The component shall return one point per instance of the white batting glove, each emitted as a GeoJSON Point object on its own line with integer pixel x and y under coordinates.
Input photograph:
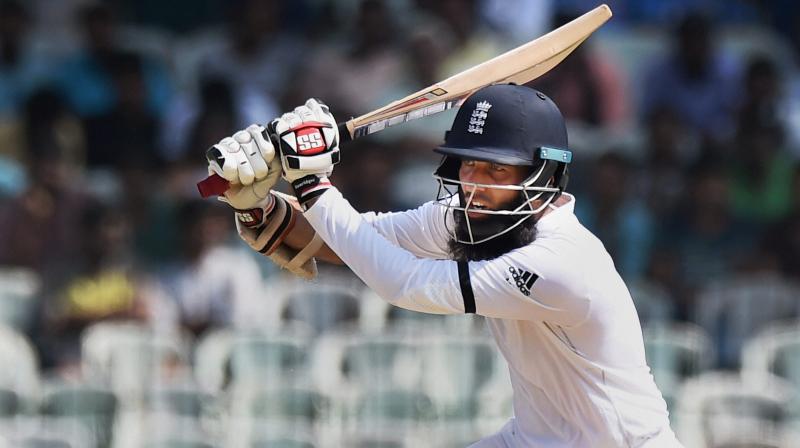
{"type": "Point", "coordinates": [247, 161]}
{"type": "Point", "coordinates": [309, 145]}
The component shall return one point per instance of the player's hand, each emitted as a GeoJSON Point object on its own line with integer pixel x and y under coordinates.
{"type": "Point", "coordinates": [309, 146]}
{"type": "Point", "coordinates": [247, 161]}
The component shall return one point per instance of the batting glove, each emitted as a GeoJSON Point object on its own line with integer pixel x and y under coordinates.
{"type": "Point", "coordinates": [308, 139]}
{"type": "Point", "coordinates": [247, 161]}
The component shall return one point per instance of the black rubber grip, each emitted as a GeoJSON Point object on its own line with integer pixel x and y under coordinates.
{"type": "Point", "coordinates": [344, 133]}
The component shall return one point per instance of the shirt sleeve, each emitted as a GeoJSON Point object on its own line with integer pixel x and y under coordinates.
{"type": "Point", "coordinates": [420, 231]}
{"type": "Point", "coordinates": [517, 285]}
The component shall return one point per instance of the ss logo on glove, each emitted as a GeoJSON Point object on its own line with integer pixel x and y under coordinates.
{"type": "Point", "coordinates": [309, 142]}
{"type": "Point", "coordinates": [306, 139]}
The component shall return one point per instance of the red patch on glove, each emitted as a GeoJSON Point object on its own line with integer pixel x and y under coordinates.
{"type": "Point", "coordinates": [310, 140]}
{"type": "Point", "coordinates": [251, 218]}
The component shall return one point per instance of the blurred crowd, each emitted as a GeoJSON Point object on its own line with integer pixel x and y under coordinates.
{"type": "Point", "coordinates": [684, 118]}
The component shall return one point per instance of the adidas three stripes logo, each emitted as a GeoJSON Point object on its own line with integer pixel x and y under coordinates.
{"type": "Point", "coordinates": [522, 279]}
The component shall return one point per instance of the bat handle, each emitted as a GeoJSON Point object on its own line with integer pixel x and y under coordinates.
{"type": "Point", "coordinates": [213, 185]}
{"type": "Point", "coordinates": [216, 185]}
{"type": "Point", "coordinates": [344, 132]}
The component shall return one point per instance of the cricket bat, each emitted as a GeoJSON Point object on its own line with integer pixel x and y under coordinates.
{"type": "Point", "coordinates": [519, 66]}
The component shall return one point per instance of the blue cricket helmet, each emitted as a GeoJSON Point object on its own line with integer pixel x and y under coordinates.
{"type": "Point", "coordinates": [510, 125]}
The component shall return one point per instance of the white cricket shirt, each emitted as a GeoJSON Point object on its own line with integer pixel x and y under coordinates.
{"type": "Point", "coordinates": [559, 311]}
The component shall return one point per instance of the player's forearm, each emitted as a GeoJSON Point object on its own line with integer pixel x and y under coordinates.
{"type": "Point", "coordinates": [301, 235]}
{"type": "Point", "coordinates": [393, 273]}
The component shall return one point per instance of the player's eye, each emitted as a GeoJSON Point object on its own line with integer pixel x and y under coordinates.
{"type": "Point", "coordinates": [498, 168]}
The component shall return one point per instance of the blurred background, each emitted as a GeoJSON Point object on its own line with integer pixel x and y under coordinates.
{"type": "Point", "coordinates": [132, 316]}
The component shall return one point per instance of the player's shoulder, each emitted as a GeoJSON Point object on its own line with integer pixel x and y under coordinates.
{"type": "Point", "coordinates": [562, 252]}
{"type": "Point", "coordinates": [546, 273]}
{"type": "Point", "coordinates": [436, 209]}
{"type": "Point", "coordinates": [543, 254]}
{"type": "Point", "coordinates": [566, 262]}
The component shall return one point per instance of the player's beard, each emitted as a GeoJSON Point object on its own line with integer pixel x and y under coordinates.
{"type": "Point", "coordinates": [519, 236]}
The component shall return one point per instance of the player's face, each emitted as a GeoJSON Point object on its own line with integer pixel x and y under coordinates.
{"type": "Point", "coordinates": [490, 173]}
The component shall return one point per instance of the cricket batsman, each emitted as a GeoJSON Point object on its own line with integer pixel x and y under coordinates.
{"type": "Point", "coordinates": [500, 240]}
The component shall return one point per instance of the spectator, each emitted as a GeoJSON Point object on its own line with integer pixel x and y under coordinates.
{"type": "Point", "coordinates": [424, 52]}
{"type": "Point", "coordinates": [669, 151]}
{"type": "Point", "coordinates": [473, 42]}
{"type": "Point", "coordinates": [410, 182]}
{"type": "Point", "coordinates": [23, 68]}
{"type": "Point", "coordinates": [38, 225]}
{"type": "Point", "coordinates": [210, 283]}
{"type": "Point", "coordinates": [87, 76]}
{"type": "Point", "coordinates": [783, 238]}
{"type": "Point", "coordinates": [587, 87]}
{"type": "Point", "coordinates": [157, 231]}
{"type": "Point", "coordinates": [616, 217]}
{"type": "Point", "coordinates": [369, 181]}
{"type": "Point", "coordinates": [762, 93]}
{"type": "Point", "coordinates": [156, 208]}
{"type": "Point", "coordinates": [696, 80]}
{"type": "Point", "coordinates": [105, 285]}
{"type": "Point", "coordinates": [421, 54]}
{"type": "Point", "coordinates": [216, 114]}
{"type": "Point", "coordinates": [782, 16]}
{"type": "Point", "coordinates": [704, 235]}
{"type": "Point", "coordinates": [661, 294]}
{"type": "Point", "coordinates": [360, 71]}
{"type": "Point", "coordinates": [48, 124]}
{"type": "Point", "coordinates": [761, 174]}
{"type": "Point", "coordinates": [127, 132]}
{"type": "Point", "coordinates": [257, 57]}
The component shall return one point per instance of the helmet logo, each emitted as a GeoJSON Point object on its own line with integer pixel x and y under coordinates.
{"type": "Point", "coordinates": [478, 118]}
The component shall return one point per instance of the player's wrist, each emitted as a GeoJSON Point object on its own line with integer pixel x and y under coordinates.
{"type": "Point", "coordinates": [310, 187]}
{"type": "Point", "coordinates": [256, 217]}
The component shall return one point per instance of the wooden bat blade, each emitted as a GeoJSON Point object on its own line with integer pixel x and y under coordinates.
{"type": "Point", "coordinates": [538, 70]}
{"type": "Point", "coordinates": [519, 65]}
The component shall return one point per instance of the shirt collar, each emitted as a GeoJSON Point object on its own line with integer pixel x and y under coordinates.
{"type": "Point", "coordinates": [557, 216]}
